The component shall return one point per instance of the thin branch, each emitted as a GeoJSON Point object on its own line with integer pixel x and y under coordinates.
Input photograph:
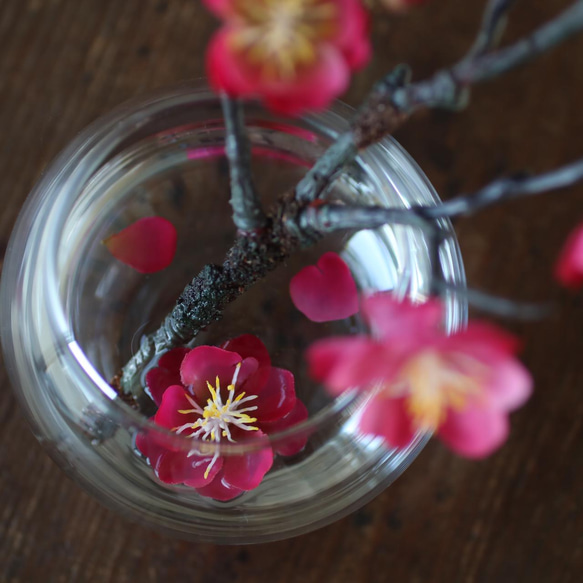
{"type": "Point", "coordinates": [247, 212]}
{"type": "Point", "coordinates": [497, 306]}
{"type": "Point", "coordinates": [330, 217]}
{"type": "Point", "coordinates": [444, 89]}
{"type": "Point", "coordinates": [394, 99]}
{"type": "Point", "coordinates": [493, 24]}
{"type": "Point", "coordinates": [506, 189]}
{"type": "Point", "coordinates": [322, 174]}
{"type": "Point", "coordinates": [322, 219]}
{"type": "Point", "coordinates": [345, 148]}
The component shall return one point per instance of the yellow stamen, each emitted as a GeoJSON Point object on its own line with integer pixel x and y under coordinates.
{"type": "Point", "coordinates": [281, 36]}
{"type": "Point", "coordinates": [434, 385]}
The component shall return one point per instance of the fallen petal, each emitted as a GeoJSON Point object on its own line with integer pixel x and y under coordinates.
{"type": "Point", "coordinates": [148, 245]}
{"type": "Point", "coordinates": [325, 291]}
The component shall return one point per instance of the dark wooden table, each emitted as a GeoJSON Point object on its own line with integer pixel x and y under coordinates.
{"type": "Point", "coordinates": [517, 516]}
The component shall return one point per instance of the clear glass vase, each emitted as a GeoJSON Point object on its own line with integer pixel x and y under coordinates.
{"type": "Point", "coordinates": [72, 315]}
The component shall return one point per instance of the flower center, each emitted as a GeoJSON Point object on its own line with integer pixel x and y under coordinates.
{"type": "Point", "coordinates": [281, 35]}
{"type": "Point", "coordinates": [434, 384]}
{"type": "Point", "coordinates": [218, 417]}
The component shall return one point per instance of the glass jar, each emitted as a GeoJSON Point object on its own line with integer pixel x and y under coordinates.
{"type": "Point", "coordinates": [72, 314]}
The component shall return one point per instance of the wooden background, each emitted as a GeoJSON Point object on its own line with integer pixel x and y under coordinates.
{"type": "Point", "coordinates": [514, 517]}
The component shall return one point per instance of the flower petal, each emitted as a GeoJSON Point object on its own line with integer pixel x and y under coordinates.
{"type": "Point", "coordinates": [510, 386]}
{"type": "Point", "coordinates": [203, 364]}
{"type": "Point", "coordinates": [482, 340]}
{"type": "Point", "coordinates": [569, 266]}
{"type": "Point", "coordinates": [293, 444]}
{"type": "Point", "coordinates": [222, 8]}
{"type": "Point", "coordinates": [353, 39]}
{"type": "Point", "coordinates": [352, 362]}
{"type": "Point", "coordinates": [218, 489]}
{"type": "Point", "coordinates": [277, 398]}
{"type": "Point", "coordinates": [249, 346]}
{"type": "Point", "coordinates": [175, 467]}
{"type": "Point", "coordinates": [325, 291]}
{"type": "Point", "coordinates": [148, 245]}
{"type": "Point", "coordinates": [225, 69]}
{"type": "Point", "coordinates": [313, 89]}
{"type": "Point", "coordinates": [172, 359]}
{"type": "Point", "coordinates": [388, 418]}
{"type": "Point", "coordinates": [175, 400]}
{"type": "Point", "coordinates": [391, 318]}
{"type": "Point", "coordinates": [167, 373]}
{"type": "Point", "coordinates": [246, 471]}
{"type": "Point", "coordinates": [474, 432]}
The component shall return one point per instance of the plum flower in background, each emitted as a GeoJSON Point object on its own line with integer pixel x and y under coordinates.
{"type": "Point", "coordinates": [461, 386]}
{"type": "Point", "coordinates": [401, 5]}
{"type": "Point", "coordinates": [569, 266]}
{"type": "Point", "coordinates": [218, 396]}
{"type": "Point", "coordinates": [148, 245]}
{"type": "Point", "coordinates": [297, 55]}
{"type": "Point", "coordinates": [326, 291]}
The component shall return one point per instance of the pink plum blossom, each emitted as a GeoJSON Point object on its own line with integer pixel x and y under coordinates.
{"type": "Point", "coordinates": [216, 396]}
{"type": "Point", "coordinates": [569, 266]}
{"type": "Point", "coordinates": [148, 245]}
{"type": "Point", "coordinates": [297, 55]}
{"type": "Point", "coordinates": [325, 291]}
{"type": "Point", "coordinates": [461, 386]}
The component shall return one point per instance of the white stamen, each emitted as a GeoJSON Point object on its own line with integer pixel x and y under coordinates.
{"type": "Point", "coordinates": [217, 417]}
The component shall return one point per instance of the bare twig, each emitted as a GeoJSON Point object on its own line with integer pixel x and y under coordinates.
{"type": "Point", "coordinates": [444, 89]}
{"type": "Point", "coordinates": [322, 219]}
{"type": "Point", "coordinates": [506, 189]}
{"type": "Point", "coordinates": [493, 25]}
{"type": "Point", "coordinates": [497, 306]}
{"type": "Point", "coordinates": [247, 212]}
{"type": "Point", "coordinates": [331, 217]}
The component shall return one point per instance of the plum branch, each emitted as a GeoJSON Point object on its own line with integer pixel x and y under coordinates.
{"type": "Point", "coordinates": [247, 212]}
{"type": "Point", "coordinates": [265, 240]}
{"type": "Point", "coordinates": [395, 97]}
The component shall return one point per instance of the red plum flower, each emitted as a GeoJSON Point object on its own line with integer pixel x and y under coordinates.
{"type": "Point", "coordinates": [218, 396]}
{"type": "Point", "coordinates": [460, 386]}
{"type": "Point", "coordinates": [569, 267]}
{"type": "Point", "coordinates": [325, 291]}
{"type": "Point", "coordinates": [148, 245]}
{"type": "Point", "coordinates": [297, 55]}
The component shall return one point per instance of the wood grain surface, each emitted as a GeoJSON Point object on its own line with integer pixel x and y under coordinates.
{"type": "Point", "coordinates": [517, 516]}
